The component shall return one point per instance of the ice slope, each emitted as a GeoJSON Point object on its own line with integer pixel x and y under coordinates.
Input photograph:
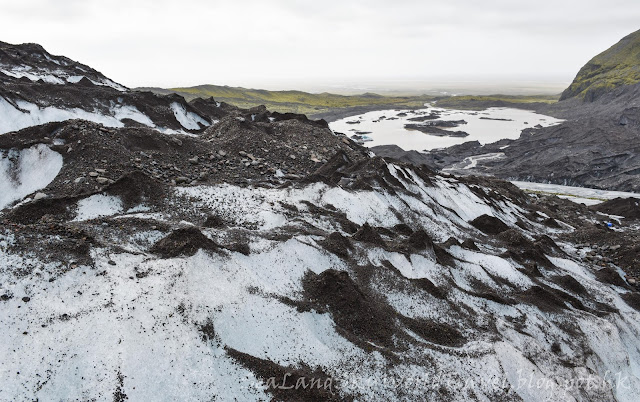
{"type": "Point", "coordinates": [132, 323]}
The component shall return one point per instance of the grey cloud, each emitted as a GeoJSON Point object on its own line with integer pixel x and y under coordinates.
{"type": "Point", "coordinates": [169, 42]}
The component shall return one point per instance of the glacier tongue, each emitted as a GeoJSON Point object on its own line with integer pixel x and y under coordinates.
{"type": "Point", "coordinates": [318, 281]}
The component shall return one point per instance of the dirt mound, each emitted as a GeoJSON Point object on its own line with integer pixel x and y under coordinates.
{"type": "Point", "coordinates": [183, 242]}
{"type": "Point", "coordinates": [333, 170]}
{"type": "Point", "coordinates": [291, 383]}
{"type": "Point", "coordinates": [548, 244]}
{"type": "Point", "coordinates": [369, 234]}
{"type": "Point", "coordinates": [489, 224]}
{"type": "Point", "coordinates": [133, 189]}
{"type": "Point", "coordinates": [632, 299]}
{"type": "Point", "coordinates": [470, 245]}
{"type": "Point", "coordinates": [136, 188]}
{"type": "Point", "coordinates": [96, 156]}
{"type": "Point", "coordinates": [337, 244]}
{"type": "Point", "coordinates": [481, 289]}
{"type": "Point", "coordinates": [514, 238]}
{"type": "Point", "coordinates": [99, 97]}
{"type": "Point", "coordinates": [375, 173]}
{"type": "Point", "coordinates": [45, 209]}
{"type": "Point", "coordinates": [570, 283]}
{"type": "Point", "coordinates": [215, 110]}
{"type": "Point", "coordinates": [443, 257]}
{"type": "Point", "coordinates": [66, 244]}
{"type": "Point", "coordinates": [552, 223]}
{"type": "Point", "coordinates": [300, 117]}
{"type": "Point", "coordinates": [543, 298]}
{"type": "Point", "coordinates": [627, 207]}
{"type": "Point", "coordinates": [419, 240]}
{"type": "Point", "coordinates": [434, 332]}
{"type": "Point", "coordinates": [628, 257]}
{"type": "Point", "coordinates": [239, 247]}
{"type": "Point", "coordinates": [293, 147]}
{"type": "Point", "coordinates": [428, 286]}
{"type": "Point", "coordinates": [523, 250]}
{"type": "Point", "coordinates": [403, 229]}
{"type": "Point", "coordinates": [214, 221]}
{"type": "Point", "coordinates": [357, 316]}
{"type": "Point", "coordinates": [610, 276]}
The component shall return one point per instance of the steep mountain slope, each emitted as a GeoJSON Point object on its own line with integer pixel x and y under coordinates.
{"type": "Point", "coordinates": [617, 66]}
{"type": "Point", "coordinates": [37, 87]}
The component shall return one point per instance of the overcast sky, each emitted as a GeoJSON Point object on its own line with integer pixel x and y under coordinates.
{"type": "Point", "coordinates": [287, 43]}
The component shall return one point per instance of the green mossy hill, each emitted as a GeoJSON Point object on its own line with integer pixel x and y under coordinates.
{"type": "Point", "coordinates": [617, 66]}
{"type": "Point", "coordinates": [290, 101]}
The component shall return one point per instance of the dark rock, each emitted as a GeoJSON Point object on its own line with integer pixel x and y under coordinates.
{"type": "Point", "coordinates": [470, 245]}
{"type": "Point", "coordinates": [611, 276]}
{"type": "Point", "coordinates": [627, 207]}
{"type": "Point", "coordinates": [368, 234]}
{"type": "Point", "coordinates": [337, 244]}
{"type": "Point", "coordinates": [355, 313]}
{"type": "Point", "coordinates": [570, 283]}
{"type": "Point", "coordinates": [288, 379]}
{"type": "Point", "coordinates": [183, 242]}
{"type": "Point", "coordinates": [632, 299]}
{"type": "Point", "coordinates": [489, 224]}
{"type": "Point", "coordinates": [214, 221]}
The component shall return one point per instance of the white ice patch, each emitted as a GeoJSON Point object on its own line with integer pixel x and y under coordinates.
{"type": "Point", "coordinates": [189, 120]}
{"type": "Point", "coordinates": [23, 172]}
{"type": "Point", "coordinates": [74, 79]}
{"type": "Point", "coordinates": [98, 205]}
{"type": "Point", "coordinates": [131, 112]}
